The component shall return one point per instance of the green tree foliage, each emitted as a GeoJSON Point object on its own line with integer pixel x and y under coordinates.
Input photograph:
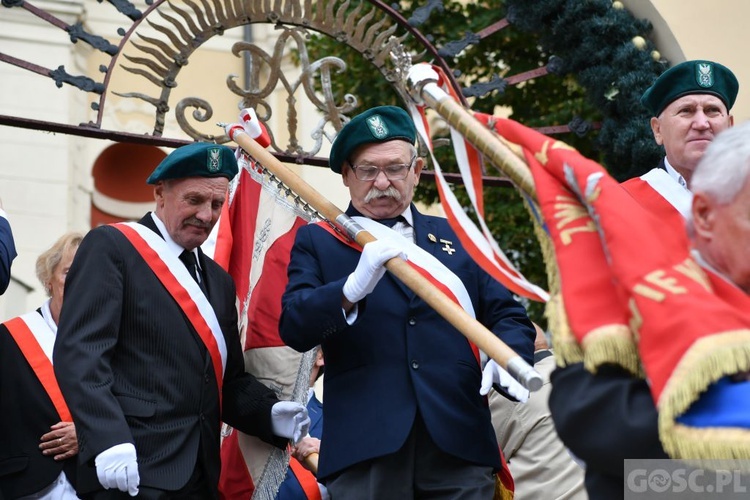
{"type": "Point", "coordinates": [557, 98]}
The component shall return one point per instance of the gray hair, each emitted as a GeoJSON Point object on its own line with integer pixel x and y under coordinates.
{"type": "Point", "coordinates": [725, 166]}
{"type": "Point", "coordinates": [51, 258]}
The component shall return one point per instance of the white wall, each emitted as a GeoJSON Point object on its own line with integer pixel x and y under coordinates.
{"type": "Point", "coordinates": [35, 167]}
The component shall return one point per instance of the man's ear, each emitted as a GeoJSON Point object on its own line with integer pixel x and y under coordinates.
{"type": "Point", "coordinates": [345, 174]}
{"type": "Point", "coordinates": [704, 214]}
{"type": "Point", "coordinates": [656, 130]}
{"type": "Point", "coordinates": [159, 193]}
{"type": "Point", "coordinates": [418, 166]}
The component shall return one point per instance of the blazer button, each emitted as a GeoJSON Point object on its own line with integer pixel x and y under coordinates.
{"type": "Point", "coordinates": [412, 321]}
{"type": "Point", "coordinates": [414, 364]}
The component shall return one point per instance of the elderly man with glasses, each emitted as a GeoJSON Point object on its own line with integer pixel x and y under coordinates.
{"type": "Point", "coordinates": [404, 417]}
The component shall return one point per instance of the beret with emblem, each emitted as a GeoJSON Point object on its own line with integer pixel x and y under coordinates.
{"type": "Point", "coordinates": [379, 124]}
{"type": "Point", "coordinates": [691, 77]}
{"type": "Point", "coordinates": [199, 159]}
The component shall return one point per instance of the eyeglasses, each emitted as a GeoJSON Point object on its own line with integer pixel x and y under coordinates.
{"type": "Point", "coordinates": [392, 172]}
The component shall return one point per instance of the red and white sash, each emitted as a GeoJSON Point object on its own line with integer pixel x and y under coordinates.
{"type": "Point", "coordinates": [424, 262]}
{"type": "Point", "coordinates": [36, 340]}
{"type": "Point", "coordinates": [677, 196]}
{"type": "Point", "coordinates": [183, 288]}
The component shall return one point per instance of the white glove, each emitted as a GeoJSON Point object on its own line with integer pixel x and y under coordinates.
{"type": "Point", "coordinates": [495, 374]}
{"type": "Point", "coordinates": [290, 420]}
{"type": "Point", "coordinates": [117, 467]}
{"type": "Point", "coordinates": [370, 269]}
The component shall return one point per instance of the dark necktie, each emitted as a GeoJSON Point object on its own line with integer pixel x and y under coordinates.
{"type": "Point", "coordinates": [392, 221]}
{"type": "Point", "coordinates": [188, 258]}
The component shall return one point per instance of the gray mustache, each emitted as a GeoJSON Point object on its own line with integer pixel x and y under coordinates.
{"type": "Point", "coordinates": [195, 222]}
{"type": "Point", "coordinates": [390, 192]}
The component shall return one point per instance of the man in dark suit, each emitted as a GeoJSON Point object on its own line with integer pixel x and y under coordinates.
{"type": "Point", "coordinates": [7, 250]}
{"type": "Point", "coordinates": [403, 412]}
{"type": "Point", "coordinates": [610, 416]}
{"type": "Point", "coordinates": [148, 354]}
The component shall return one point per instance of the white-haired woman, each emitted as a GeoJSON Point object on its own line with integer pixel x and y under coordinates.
{"type": "Point", "coordinates": [38, 441]}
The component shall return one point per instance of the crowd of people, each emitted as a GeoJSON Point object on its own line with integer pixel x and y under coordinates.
{"type": "Point", "coordinates": [120, 389]}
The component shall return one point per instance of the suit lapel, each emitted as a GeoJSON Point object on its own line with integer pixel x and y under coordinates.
{"type": "Point", "coordinates": [148, 221]}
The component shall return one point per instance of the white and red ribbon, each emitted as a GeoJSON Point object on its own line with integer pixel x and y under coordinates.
{"type": "Point", "coordinates": [480, 244]}
{"type": "Point", "coordinates": [175, 277]}
{"type": "Point", "coordinates": [35, 339]}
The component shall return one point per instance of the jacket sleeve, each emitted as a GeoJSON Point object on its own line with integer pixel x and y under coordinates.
{"type": "Point", "coordinates": [86, 340]}
{"type": "Point", "coordinates": [505, 317]}
{"type": "Point", "coordinates": [7, 253]}
{"type": "Point", "coordinates": [311, 307]}
{"type": "Point", "coordinates": [604, 418]}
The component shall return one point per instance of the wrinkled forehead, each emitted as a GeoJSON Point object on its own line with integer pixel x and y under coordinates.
{"type": "Point", "coordinates": [197, 183]}
{"type": "Point", "coordinates": [703, 100]}
{"type": "Point", "coordinates": [197, 187]}
{"type": "Point", "coordinates": [382, 152]}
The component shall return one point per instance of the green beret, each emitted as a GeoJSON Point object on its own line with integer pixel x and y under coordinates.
{"type": "Point", "coordinates": [379, 124]}
{"type": "Point", "coordinates": [199, 159]}
{"type": "Point", "coordinates": [691, 77]}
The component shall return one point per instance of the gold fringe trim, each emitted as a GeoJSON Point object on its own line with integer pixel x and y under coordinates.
{"type": "Point", "coordinates": [709, 359]}
{"type": "Point", "coordinates": [611, 344]}
{"type": "Point", "coordinates": [701, 445]}
{"type": "Point", "coordinates": [567, 349]}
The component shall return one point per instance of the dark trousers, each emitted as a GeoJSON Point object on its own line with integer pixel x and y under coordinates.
{"type": "Point", "coordinates": [419, 470]}
{"type": "Point", "coordinates": [197, 488]}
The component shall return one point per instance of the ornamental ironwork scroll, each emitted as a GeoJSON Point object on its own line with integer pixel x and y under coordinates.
{"type": "Point", "coordinates": [159, 38]}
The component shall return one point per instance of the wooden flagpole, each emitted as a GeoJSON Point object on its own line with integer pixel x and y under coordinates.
{"type": "Point", "coordinates": [472, 329]}
{"type": "Point", "coordinates": [422, 82]}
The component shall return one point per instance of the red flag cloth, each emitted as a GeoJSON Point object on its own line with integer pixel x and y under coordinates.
{"type": "Point", "coordinates": [261, 229]}
{"type": "Point", "coordinates": [691, 332]}
{"type": "Point", "coordinates": [235, 481]}
{"type": "Point", "coordinates": [595, 310]}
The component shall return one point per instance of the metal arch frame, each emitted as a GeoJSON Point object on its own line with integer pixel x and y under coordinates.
{"type": "Point", "coordinates": [154, 7]}
{"type": "Point", "coordinates": [239, 13]}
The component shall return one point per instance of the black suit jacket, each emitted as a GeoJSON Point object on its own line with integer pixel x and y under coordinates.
{"type": "Point", "coordinates": [134, 370]}
{"type": "Point", "coordinates": [26, 412]}
{"type": "Point", "coordinates": [604, 419]}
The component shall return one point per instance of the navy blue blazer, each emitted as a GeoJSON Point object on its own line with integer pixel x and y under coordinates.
{"type": "Point", "coordinates": [7, 253]}
{"type": "Point", "coordinates": [399, 357]}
